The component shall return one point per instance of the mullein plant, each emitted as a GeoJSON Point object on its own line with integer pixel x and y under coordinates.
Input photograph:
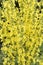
{"type": "Point", "coordinates": [21, 32]}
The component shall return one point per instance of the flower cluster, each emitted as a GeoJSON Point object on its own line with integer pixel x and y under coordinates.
{"type": "Point", "coordinates": [21, 32]}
